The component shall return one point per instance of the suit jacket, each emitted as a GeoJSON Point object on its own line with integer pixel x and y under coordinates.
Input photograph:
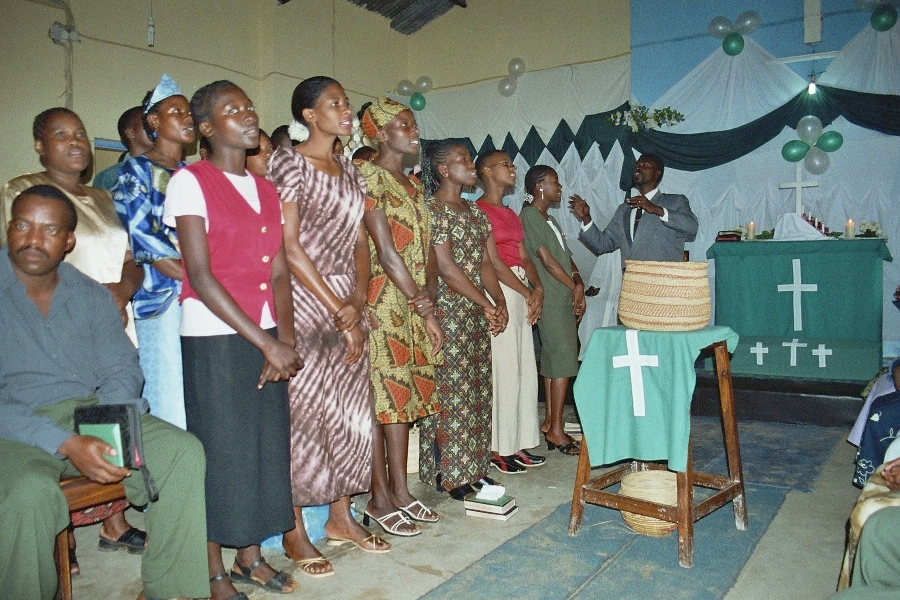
{"type": "Point", "coordinates": [654, 239]}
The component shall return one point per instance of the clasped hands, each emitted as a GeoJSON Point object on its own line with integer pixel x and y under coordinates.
{"type": "Point", "coordinates": [497, 317]}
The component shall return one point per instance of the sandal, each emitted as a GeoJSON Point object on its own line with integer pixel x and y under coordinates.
{"type": "Point", "coordinates": [422, 512]}
{"type": "Point", "coordinates": [133, 540]}
{"type": "Point", "coordinates": [305, 563]}
{"type": "Point", "coordinates": [277, 583]}
{"type": "Point", "coordinates": [370, 544]}
{"type": "Point", "coordinates": [392, 522]}
{"type": "Point", "coordinates": [215, 578]}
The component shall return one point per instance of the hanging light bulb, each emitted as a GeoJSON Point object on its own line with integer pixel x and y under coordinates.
{"type": "Point", "coordinates": [151, 32]}
{"type": "Point", "coordinates": [811, 88]}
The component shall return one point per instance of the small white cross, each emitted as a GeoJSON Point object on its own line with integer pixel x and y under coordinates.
{"type": "Point", "coordinates": [798, 184]}
{"type": "Point", "coordinates": [822, 352]}
{"type": "Point", "coordinates": [793, 345]}
{"type": "Point", "coordinates": [759, 350]}
{"type": "Point", "coordinates": [634, 360]}
{"type": "Point", "coordinates": [797, 288]}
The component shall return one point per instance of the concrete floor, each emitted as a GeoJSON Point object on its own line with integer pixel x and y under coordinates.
{"type": "Point", "coordinates": [798, 558]}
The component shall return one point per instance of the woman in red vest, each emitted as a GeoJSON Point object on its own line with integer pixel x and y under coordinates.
{"type": "Point", "coordinates": [236, 287]}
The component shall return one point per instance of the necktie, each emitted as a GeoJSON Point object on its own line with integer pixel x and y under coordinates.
{"type": "Point", "coordinates": [637, 220]}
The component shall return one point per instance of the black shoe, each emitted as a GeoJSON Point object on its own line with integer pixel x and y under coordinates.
{"type": "Point", "coordinates": [460, 493]}
{"type": "Point", "coordinates": [483, 482]}
{"type": "Point", "coordinates": [507, 464]}
{"type": "Point", "coordinates": [524, 458]}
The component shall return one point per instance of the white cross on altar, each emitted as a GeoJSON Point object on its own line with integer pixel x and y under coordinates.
{"type": "Point", "coordinates": [793, 345]}
{"type": "Point", "coordinates": [797, 288]}
{"type": "Point", "coordinates": [798, 184]}
{"type": "Point", "coordinates": [822, 352]}
{"type": "Point", "coordinates": [634, 360]}
{"type": "Point", "coordinates": [759, 350]}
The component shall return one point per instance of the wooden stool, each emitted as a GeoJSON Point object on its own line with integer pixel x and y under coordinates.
{"type": "Point", "coordinates": [730, 489]}
{"type": "Point", "coordinates": [80, 493]}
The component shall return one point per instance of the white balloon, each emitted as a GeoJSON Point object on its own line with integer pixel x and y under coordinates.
{"type": "Point", "coordinates": [405, 87]}
{"type": "Point", "coordinates": [816, 161]}
{"type": "Point", "coordinates": [809, 128]}
{"type": "Point", "coordinates": [720, 27]}
{"type": "Point", "coordinates": [423, 84]}
{"type": "Point", "coordinates": [516, 67]}
{"type": "Point", "coordinates": [507, 86]}
{"type": "Point", "coordinates": [747, 22]}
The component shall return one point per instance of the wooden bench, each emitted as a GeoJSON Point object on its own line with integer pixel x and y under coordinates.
{"type": "Point", "coordinates": [80, 493]}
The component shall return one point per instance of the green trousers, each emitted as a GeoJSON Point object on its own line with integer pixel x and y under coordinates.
{"type": "Point", "coordinates": [876, 572]}
{"type": "Point", "coordinates": [33, 510]}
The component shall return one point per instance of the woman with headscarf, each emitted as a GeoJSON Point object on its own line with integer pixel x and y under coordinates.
{"type": "Point", "coordinates": [455, 444]}
{"type": "Point", "coordinates": [101, 253]}
{"type": "Point", "coordinates": [404, 334]}
{"type": "Point", "coordinates": [564, 302]}
{"type": "Point", "coordinates": [140, 194]}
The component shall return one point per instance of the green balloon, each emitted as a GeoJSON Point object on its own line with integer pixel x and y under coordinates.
{"type": "Point", "coordinates": [884, 17]}
{"type": "Point", "coordinates": [794, 150]}
{"type": "Point", "coordinates": [830, 141]}
{"type": "Point", "coordinates": [417, 101]}
{"type": "Point", "coordinates": [733, 43]}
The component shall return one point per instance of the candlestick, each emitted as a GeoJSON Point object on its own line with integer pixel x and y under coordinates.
{"type": "Point", "coordinates": [751, 230]}
{"type": "Point", "coordinates": [850, 230]}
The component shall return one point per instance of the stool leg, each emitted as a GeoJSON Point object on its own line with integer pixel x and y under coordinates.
{"type": "Point", "coordinates": [730, 430]}
{"type": "Point", "coordinates": [582, 476]}
{"type": "Point", "coordinates": [685, 513]}
{"type": "Point", "coordinates": [63, 568]}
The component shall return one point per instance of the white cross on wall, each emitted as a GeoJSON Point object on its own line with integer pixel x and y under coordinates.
{"type": "Point", "coordinates": [797, 288]}
{"type": "Point", "coordinates": [634, 360]}
{"type": "Point", "coordinates": [759, 350]}
{"type": "Point", "coordinates": [793, 345]}
{"type": "Point", "coordinates": [822, 352]}
{"type": "Point", "coordinates": [798, 184]}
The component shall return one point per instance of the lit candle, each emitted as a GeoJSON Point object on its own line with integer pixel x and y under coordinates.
{"type": "Point", "coordinates": [850, 231]}
{"type": "Point", "coordinates": [751, 230]}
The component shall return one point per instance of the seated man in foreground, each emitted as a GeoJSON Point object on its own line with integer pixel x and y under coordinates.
{"type": "Point", "coordinates": [63, 346]}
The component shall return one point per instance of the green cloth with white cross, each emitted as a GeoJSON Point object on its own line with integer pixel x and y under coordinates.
{"type": "Point", "coordinates": [809, 309]}
{"type": "Point", "coordinates": [634, 391]}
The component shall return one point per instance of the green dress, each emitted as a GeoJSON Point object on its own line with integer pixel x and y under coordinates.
{"type": "Point", "coordinates": [557, 326]}
{"type": "Point", "coordinates": [401, 366]}
{"type": "Point", "coordinates": [464, 381]}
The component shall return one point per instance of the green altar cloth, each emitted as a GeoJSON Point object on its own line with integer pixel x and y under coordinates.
{"type": "Point", "coordinates": [634, 389]}
{"type": "Point", "coordinates": [810, 309]}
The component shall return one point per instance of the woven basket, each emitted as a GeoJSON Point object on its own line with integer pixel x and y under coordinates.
{"type": "Point", "coordinates": [656, 486]}
{"type": "Point", "coordinates": [664, 296]}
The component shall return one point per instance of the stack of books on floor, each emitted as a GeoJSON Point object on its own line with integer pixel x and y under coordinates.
{"type": "Point", "coordinates": [501, 509]}
{"type": "Point", "coordinates": [574, 430]}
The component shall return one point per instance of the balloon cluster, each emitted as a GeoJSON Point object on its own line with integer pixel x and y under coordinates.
{"type": "Point", "coordinates": [884, 14]}
{"type": "Point", "coordinates": [415, 92]}
{"type": "Point", "coordinates": [732, 36]}
{"type": "Point", "coordinates": [507, 85]}
{"type": "Point", "coordinates": [813, 145]}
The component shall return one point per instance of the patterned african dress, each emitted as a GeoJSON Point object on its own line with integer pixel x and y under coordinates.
{"type": "Point", "coordinates": [401, 365]}
{"type": "Point", "coordinates": [464, 380]}
{"type": "Point", "coordinates": [331, 403]}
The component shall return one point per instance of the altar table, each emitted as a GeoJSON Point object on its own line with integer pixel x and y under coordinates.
{"type": "Point", "coordinates": [808, 309]}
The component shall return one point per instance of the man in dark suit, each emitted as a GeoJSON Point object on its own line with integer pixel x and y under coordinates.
{"type": "Point", "coordinates": [650, 226]}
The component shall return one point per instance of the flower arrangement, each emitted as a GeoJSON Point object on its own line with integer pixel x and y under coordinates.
{"type": "Point", "coordinates": [641, 118]}
{"type": "Point", "coordinates": [870, 229]}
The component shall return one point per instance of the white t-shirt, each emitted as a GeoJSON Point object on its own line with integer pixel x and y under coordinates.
{"type": "Point", "coordinates": [184, 197]}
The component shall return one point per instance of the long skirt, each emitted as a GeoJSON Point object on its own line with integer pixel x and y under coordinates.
{"type": "Point", "coordinates": [246, 435]}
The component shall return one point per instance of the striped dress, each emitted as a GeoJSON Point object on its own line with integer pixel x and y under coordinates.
{"type": "Point", "coordinates": [331, 405]}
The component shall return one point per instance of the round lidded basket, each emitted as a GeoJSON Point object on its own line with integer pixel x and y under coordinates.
{"type": "Point", "coordinates": [665, 296]}
{"type": "Point", "coordinates": [657, 486]}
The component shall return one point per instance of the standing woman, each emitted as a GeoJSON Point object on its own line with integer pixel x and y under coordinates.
{"type": "Point", "coordinates": [140, 194]}
{"type": "Point", "coordinates": [235, 288]}
{"type": "Point", "coordinates": [101, 253]}
{"type": "Point", "coordinates": [323, 200]}
{"type": "Point", "coordinates": [404, 334]}
{"type": "Point", "coordinates": [514, 426]}
{"type": "Point", "coordinates": [563, 301]}
{"type": "Point", "coordinates": [455, 444]}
